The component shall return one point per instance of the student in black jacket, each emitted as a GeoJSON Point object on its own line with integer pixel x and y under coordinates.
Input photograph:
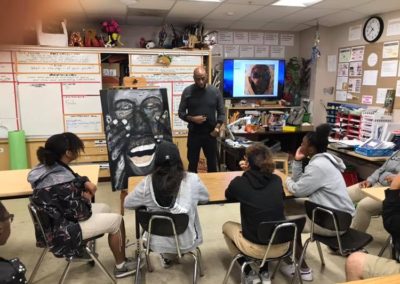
{"type": "Point", "coordinates": [360, 265]}
{"type": "Point", "coordinates": [260, 194]}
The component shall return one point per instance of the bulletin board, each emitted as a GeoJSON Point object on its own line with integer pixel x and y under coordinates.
{"type": "Point", "coordinates": [366, 72]}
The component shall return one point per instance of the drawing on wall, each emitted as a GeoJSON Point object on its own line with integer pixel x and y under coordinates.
{"type": "Point", "coordinates": [135, 121]}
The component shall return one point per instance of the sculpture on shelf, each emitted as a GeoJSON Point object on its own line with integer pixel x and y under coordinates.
{"type": "Point", "coordinates": [75, 39]}
{"type": "Point", "coordinates": [92, 40]}
{"type": "Point", "coordinates": [113, 30]}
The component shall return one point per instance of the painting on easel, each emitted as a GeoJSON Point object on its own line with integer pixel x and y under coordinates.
{"type": "Point", "coordinates": [135, 121]}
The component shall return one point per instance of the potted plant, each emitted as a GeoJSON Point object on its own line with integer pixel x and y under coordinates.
{"type": "Point", "coordinates": [297, 79]}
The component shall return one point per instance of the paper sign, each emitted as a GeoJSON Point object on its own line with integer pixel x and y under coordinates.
{"type": "Point", "coordinates": [390, 49]}
{"type": "Point", "coordinates": [287, 39]}
{"type": "Point", "coordinates": [389, 68]}
{"type": "Point", "coordinates": [343, 69]}
{"type": "Point", "coordinates": [393, 27]}
{"type": "Point", "coordinates": [271, 38]}
{"type": "Point", "coordinates": [354, 32]}
{"type": "Point", "coordinates": [344, 54]}
{"type": "Point", "coordinates": [247, 51]}
{"type": "Point", "coordinates": [355, 69]}
{"type": "Point", "coordinates": [256, 38]}
{"type": "Point", "coordinates": [381, 95]}
{"type": "Point", "coordinates": [261, 51]}
{"type": "Point", "coordinates": [332, 63]}
{"type": "Point", "coordinates": [357, 53]}
{"type": "Point", "coordinates": [398, 88]}
{"type": "Point", "coordinates": [370, 77]}
{"type": "Point", "coordinates": [225, 37]}
{"type": "Point", "coordinates": [277, 52]}
{"type": "Point", "coordinates": [240, 37]}
{"type": "Point", "coordinates": [341, 96]}
{"type": "Point", "coordinates": [366, 100]}
{"type": "Point", "coordinates": [341, 83]}
{"type": "Point", "coordinates": [231, 51]}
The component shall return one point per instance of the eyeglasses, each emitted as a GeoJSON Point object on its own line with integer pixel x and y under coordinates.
{"type": "Point", "coordinates": [10, 217]}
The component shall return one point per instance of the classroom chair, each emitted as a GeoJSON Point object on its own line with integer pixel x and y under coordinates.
{"type": "Point", "coordinates": [335, 220]}
{"type": "Point", "coordinates": [167, 225]}
{"type": "Point", "coordinates": [273, 233]}
{"type": "Point", "coordinates": [38, 220]}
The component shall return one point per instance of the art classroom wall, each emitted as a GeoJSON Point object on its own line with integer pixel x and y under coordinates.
{"type": "Point", "coordinates": [331, 39]}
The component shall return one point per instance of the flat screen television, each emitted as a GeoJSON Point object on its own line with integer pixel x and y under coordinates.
{"type": "Point", "coordinates": [253, 78]}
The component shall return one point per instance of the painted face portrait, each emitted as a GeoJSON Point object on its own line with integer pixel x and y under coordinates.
{"type": "Point", "coordinates": [259, 80]}
{"type": "Point", "coordinates": [136, 122]}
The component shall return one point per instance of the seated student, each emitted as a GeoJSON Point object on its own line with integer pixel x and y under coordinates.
{"type": "Point", "coordinates": [322, 181]}
{"type": "Point", "coordinates": [360, 265]}
{"type": "Point", "coordinates": [367, 206]}
{"type": "Point", "coordinates": [11, 271]}
{"type": "Point", "coordinates": [260, 194]}
{"type": "Point", "coordinates": [169, 188]}
{"type": "Point", "coordinates": [66, 198]}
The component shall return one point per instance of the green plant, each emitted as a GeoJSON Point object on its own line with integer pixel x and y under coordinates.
{"type": "Point", "coordinates": [298, 73]}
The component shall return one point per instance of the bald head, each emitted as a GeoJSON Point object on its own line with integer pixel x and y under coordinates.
{"type": "Point", "coordinates": [200, 77]}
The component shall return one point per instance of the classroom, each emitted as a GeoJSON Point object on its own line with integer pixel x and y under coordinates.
{"type": "Point", "coordinates": [280, 117]}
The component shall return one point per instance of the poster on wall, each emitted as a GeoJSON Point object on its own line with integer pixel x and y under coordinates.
{"type": "Point", "coordinates": [135, 122]}
{"type": "Point", "coordinates": [355, 69]}
{"type": "Point", "coordinates": [343, 69]}
{"type": "Point", "coordinates": [344, 54]}
{"type": "Point", "coordinates": [357, 53]}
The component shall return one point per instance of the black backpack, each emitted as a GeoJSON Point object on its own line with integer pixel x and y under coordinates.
{"type": "Point", "coordinates": [12, 271]}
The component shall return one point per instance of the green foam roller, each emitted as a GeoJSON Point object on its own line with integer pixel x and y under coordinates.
{"type": "Point", "coordinates": [17, 148]}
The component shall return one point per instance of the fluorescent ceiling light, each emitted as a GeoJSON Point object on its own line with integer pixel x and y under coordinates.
{"type": "Point", "coordinates": [206, 0]}
{"type": "Point", "coordinates": [296, 3]}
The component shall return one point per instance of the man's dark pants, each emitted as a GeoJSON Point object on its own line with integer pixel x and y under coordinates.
{"type": "Point", "coordinates": [195, 142]}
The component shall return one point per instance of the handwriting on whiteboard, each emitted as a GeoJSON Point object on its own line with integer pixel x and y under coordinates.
{"type": "Point", "coordinates": [56, 57]}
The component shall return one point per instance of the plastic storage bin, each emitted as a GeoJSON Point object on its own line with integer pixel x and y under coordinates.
{"type": "Point", "coordinates": [374, 152]}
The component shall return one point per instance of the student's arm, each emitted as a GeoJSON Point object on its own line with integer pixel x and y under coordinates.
{"type": "Point", "coordinates": [374, 178]}
{"type": "Point", "coordinates": [136, 198]}
{"type": "Point", "coordinates": [200, 188]}
{"type": "Point", "coordinates": [391, 208]}
{"type": "Point", "coordinates": [297, 170]}
{"type": "Point", "coordinates": [309, 182]}
{"type": "Point", "coordinates": [231, 192]}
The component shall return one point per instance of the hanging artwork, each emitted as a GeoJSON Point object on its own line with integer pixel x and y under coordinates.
{"type": "Point", "coordinates": [135, 121]}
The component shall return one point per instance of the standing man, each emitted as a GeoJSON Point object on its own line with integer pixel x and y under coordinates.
{"type": "Point", "coordinates": [203, 108]}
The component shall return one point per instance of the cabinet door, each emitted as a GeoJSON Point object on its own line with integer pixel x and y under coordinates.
{"type": "Point", "coordinates": [181, 143]}
{"type": "Point", "coordinates": [4, 156]}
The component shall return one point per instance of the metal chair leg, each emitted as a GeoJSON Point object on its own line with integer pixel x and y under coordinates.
{"type": "Point", "coordinates": [385, 246]}
{"type": "Point", "coordinates": [97, 261]}
{"type": "Point", "coordinates": [64, 275]}
{"type": "Point", "coordinates": [201, 270]}
{"type": "Point", "coordinates": [148, 263]}
{"type": "Point", "coordinates": [236, 257]}
{"type": "Point", "coordinates": [276, 268]}
{"type": "Point", "coordinates": [195, 267]}
{"type": "Point", "coordinates": [321, 256]}
{"type": "Point", "coordinates": [38, 263]}
{"type": "Point", "coordinates": [303, 253]}
{"type": "Point", "coordinates": [138, 272]}
{"type": "Point", "coordinates": [297, 273]}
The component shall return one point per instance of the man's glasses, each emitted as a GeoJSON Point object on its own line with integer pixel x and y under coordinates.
{"type": "Point", "coordinates": [10, 217]}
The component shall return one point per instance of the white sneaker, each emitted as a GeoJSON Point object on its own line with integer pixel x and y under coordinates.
{"type": "Point", "coordinates": [251, 278]}
{"type": "Point", "coordinates": [288, 270]}
{"type": "Point", "coordinates": [265, 279]}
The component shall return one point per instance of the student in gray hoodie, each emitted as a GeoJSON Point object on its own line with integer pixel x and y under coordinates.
{"type": "Point", "coordinates": [169, 188]}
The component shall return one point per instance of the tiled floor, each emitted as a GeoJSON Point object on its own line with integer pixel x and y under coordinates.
{"type": "Point", "coordinates": [215, 254]}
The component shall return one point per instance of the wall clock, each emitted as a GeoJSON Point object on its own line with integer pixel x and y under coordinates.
{"type": "Point", "coordinates": [373, 29]}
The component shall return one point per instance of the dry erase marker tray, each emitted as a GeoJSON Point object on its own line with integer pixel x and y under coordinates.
{"type": "Point", "coordinates": [374, 152]}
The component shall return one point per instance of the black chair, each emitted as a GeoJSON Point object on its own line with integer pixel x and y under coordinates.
{"type": "Point", "coordinates": [274, 233]}
{"type": "Point", "coordinates": [167, 225]}
{"type": "Point", "coordinates": [38, 219]}
{"type": "Point", "coordinates": [345, 241]}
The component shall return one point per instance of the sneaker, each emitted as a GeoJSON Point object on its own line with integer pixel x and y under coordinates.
{"type": "Point", "coordinates": [165, 261]}
{"type": "Point", "coordinates": [129, 268]}
{"type": "Point", "coordinates": [265, 279]}
{"type": "Point", "coordinates": [288, 270]}
{"type": "Point", "coordinates": [251, 278]}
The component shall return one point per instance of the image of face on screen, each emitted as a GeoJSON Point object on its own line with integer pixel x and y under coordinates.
{"type": "Point", "coordinates": [259, 79]}
{"type": "Point", "coordinates": [136, 122]}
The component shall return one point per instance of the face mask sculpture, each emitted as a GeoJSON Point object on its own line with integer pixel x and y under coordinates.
{"type": "Point", "coordinates": [136, 121]}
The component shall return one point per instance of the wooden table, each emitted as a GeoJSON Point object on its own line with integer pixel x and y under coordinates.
{"type": "Point", "coordinates": [391, 279]}
{"type": "Point", "coordinates": [14, 184]}
{"type": "Point", "coordinates": [377, 193]}
{"type": "Point", "coordinates": [216, 183]}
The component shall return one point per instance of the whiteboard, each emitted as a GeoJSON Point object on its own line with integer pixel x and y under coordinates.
{"type": "Point", "coordinates": [161, 69]}
{"type": "Point", "coordinates": [6, 68]}
{"type": "Point", "coordinates": [165, 77]}
{"type": "Point", "coordinates": [81, 88]}
{"type": "Point", "coordinates": [6, 77]}
{"type": "Point", "coordinates": [41, 109]}
{"type": "Point", "coordinates": [58, 68]}
{"type": "Point", "coordinates": [5, 56]}
{"type": "Point", "coordinates": [57, 57]}
{"type": "Point", "coordinates": [178, 87]}
{"type": "Point", "coordinates": [7, 124]}
{"type": "Point", "coordinates": [84, 124]}
{"type": "Point", "coordinates": [7, 101]}
{"type": "Point", "coordinates": [82, 104]}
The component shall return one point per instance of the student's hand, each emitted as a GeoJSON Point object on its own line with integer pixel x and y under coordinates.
{"type": "Point", "coordinates": [395, 185]}
{"type": "Point", "coordinates": [244, 165]}
{"type": "Point", "coordinates": [90, 187]}
{"type": "Point", "coordinates": [365, 184]}
{"type": "Point", "coordinates": [390, 178]}
{"type": "Point", "coordinates": [299, 155]}
{"type": "Point", "coordinates": [198, 119]}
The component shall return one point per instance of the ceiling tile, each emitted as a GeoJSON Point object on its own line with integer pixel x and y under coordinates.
{"type": "Point", "coordinates": [197, 10]}
{"type": "Point", "coordinates": [141, 21]}
{"type": "Point", "coordinates": [278, 27]}
{"type": "Point", "coordinates": [104, 7]}
{"type": "Point", "coordinates": [152, 4]}
{"type": "Point", "coordinates": [305, 15]}
{"type": "Point", "coordinates": [340, 4]}
{"type": "Point", "coordinates": [246, 25]}
{"type": "Point", "coordinates": [271, 13]}
{"type": "Point", "coordinates": [301, 27]}
{"type": "Point", "coordinates": [238, 11]}
{"type": "Point", "coordinates": [341, 17]}
{"type": "Point", "coordinates": [378, 6]}
{"type": "Point", "coordinates": [216, 24]}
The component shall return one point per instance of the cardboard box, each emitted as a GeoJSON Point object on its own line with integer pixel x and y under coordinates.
{"type": "Point", "coordinates": [110, 69]}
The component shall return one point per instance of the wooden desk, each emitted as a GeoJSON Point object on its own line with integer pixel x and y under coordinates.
{"type": "Point", "coordinates": [391, 279]}
{"type": "Point", "coordinates": [14, 183]}
{"type": "Point", "coordinates": [377, 193]}
{"type": "Point", "coordinates": [216, 183]}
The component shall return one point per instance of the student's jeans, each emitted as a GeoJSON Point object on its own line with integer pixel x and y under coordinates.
{"type": "Point", "coordinates": [366, 207]}
{"type": "Point", "coordinates": [197, 141]}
